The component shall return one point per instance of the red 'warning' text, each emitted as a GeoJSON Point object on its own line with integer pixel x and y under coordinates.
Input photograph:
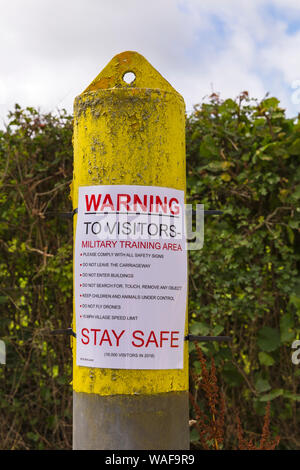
{"type": "Point", "coordinates": [132, 203]}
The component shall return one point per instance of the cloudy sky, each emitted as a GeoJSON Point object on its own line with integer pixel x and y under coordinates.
{"type": "Point", "coordinates": [52, 49]}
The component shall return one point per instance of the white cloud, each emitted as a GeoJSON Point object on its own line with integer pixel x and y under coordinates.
{"type": "Point", "coordinates": [50, 50]}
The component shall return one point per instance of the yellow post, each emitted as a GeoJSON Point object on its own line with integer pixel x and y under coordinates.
{"type": "Point", "coordinates": [129, 134]}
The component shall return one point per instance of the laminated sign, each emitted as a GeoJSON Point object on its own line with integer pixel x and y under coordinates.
{"type": "Point", "coordinates": [130, 277]}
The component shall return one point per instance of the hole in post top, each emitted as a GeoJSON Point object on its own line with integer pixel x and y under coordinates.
{"type": "Point", "coordinates": [129, 77]}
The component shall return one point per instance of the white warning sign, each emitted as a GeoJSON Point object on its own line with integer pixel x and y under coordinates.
{"type": "Point", "coordinates": [130, 277]}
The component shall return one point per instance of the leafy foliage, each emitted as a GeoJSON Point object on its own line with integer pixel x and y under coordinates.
{"type": "Point", "coordinates": [35, 281]}
{"type": "Point", "coordinates": [243, 158]}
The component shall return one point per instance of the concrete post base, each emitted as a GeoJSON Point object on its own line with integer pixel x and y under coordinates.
{"type": "Point", "coordinates": [131, 422]}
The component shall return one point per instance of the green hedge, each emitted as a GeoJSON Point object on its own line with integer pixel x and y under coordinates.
{"type": "Point", "coordinates": [35, 281]}
{"type": "Point", "coordinates": [243, 158]}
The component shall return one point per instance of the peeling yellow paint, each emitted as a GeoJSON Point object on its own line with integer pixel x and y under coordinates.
{"type": "Point", "coordinates": [128, 134]}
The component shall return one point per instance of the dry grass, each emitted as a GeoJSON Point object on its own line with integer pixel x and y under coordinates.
{"type": "Point", "coordinates": [210, 416]}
